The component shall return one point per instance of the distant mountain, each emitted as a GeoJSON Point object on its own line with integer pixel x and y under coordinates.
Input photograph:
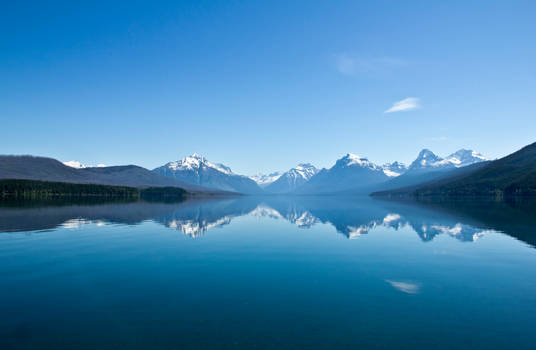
{"type": "Point", "coordinates": [428, 161]}
{"type": "Point", "coordinates": [428, 167]}
{"type": "Point", "coordinates": [465, 157]}
{"type": "Point", "coordinates": [349, 172]}
{"type": "Point", "coordinates": [264, 180]}
{"type": "Point", "coordinates": [394, 169]}
{"type": "Point", "coordinates": [77, 165]}
{"type": "Point", "coordinates": [292, 179]}
{"type": "Point", "coordinates": [413, 180]}
{"type": "Point", "coordinates": [48, 169]}
{"type": "Point", "coordinates": [512, 175]}
{"type": "Point", "coordinates": [196, 169]}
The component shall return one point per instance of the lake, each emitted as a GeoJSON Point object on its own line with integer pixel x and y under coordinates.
{"type": "Point", "coordinates": [268, 273]}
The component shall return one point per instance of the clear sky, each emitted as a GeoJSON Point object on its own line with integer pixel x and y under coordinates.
{"type": "Point", "coordinates": [262, 86]}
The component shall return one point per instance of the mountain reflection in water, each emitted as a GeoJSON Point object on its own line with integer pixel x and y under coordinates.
{"type": "Point", "coordinates": [466, 221]}
{"type": "Point", "coordinates": [267, 273]}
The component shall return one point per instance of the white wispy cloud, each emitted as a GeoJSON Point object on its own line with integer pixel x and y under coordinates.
{"type": "Point", "coordinates": [347, 64]}
{"type": "Point", "coordinates": [404, 287]}
{"type": "Point", "coordinates": [406, 104]}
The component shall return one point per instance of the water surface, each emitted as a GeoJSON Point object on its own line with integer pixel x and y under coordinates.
{"type": "Point", "coordinates": [268, 273]}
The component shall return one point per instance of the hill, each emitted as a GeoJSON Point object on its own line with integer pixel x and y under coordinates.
{"type": "Point", "coordinates": [48, 169]}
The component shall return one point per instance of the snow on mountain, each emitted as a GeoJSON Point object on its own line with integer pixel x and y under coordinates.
{"type": "Point", "coordinates": [264, 180]}
{"type": "Point", "coordinates": [465, 157]}
{"type": "Point", "coordinates": [292, 179]}
{"type": "Point", "coordinates": [349, 173]}
{"type": "Point", "coordinates": [195, 162]}
{"type": "Point", "coordinates": [354, 160]}
{"type": "Point", "coordinates": [427, 160]}
{"type": "Point", "coordinates": [302, 171]}
{"type": "Point", "coordinates": [394, 169]}
{"type": "Point", "coordinates": [198, 170]}
{"type": "Point", "coordinates": [77, 165]}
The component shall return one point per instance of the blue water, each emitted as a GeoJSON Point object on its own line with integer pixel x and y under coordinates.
{"type": "Point", "coordinates": [268, 273]}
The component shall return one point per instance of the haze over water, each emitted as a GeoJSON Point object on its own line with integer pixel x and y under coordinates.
{"type": "Point", "coordinates": [268, 272]}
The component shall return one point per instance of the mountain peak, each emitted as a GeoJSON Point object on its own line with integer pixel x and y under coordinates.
{"type": "Point", "coordinates": [305, 166]}
{"type": "Point", "coordinates": [264, 180]}
{"type": "Point", "coordinates": [353, 156]}
{"type": "Point", "coordinates": [426, 159]}
{"type": "Point", "coordinates": [293, 178]}
{"type": "Point", "coordinates": [198, 170]}
{"type": "Point", "coordinates": [196, 161]}
{"type": "Point", "coordinates": [304, 170]}
{"type": "Point", "coordinates": [464, 157]}
{"type": "Point", "coordinates": [425, 150]}
{"type": "Point", "coordinates": [394, 169]}
{"type": "Point", "coordinates": [426, 153]}
{"type": "Point", "coordinates": [351, 159]}
{"type": "Point", "coordinates": [197, 156]}
{"type": "Point", "coordinates": [429, 160]}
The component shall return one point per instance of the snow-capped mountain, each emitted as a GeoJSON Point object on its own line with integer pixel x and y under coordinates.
{"type": "Point", "coordinates": [264, 180]}
{"type": "Point", "coordinates": [198, 170]}
{"type": "Point", "coordinates": [465, 157]}
{"type": "Point", "coordinates": [77, 165]}
{"type": "Point", "coordinates": [292, 179]}
{"type": "Point", "coordinates": [349, 172]}
{"type": "Point", "coordinates": [428, 161]}
{"type": "Point", "coordinates": [196, 162]}
{"type": "Point", "coordinates": [350, 160]}
{"type": "Point", "coordinates": [394, 169]}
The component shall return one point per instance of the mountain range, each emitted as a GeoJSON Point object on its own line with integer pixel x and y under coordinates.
{"type": "Point", "coordinates": [513, 175]}
{"type": "Point", "coordinates": [351, 174]}
{"type": "Point", "coordinates": [350, 217]}
{"type": "Point", "coordinates": [48, 169]}
{"type": "Point", "coordinates": [198, 170]}
{"type": "Point", "coordinates": [292, 179]}
{"type": "Point", "coordinates": [428, 161]}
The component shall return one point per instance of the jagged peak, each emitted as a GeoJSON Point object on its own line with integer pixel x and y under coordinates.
{"type": "Point", "coordinates": [196, 161]}
{"type": "Point", "coordinates": [351, 159]}
{"type": "Point", "coordinates": [460, 158]}
{"type": "Point", "coordinates": [425, 152]}
{"type": "Point", "coordinates": [196, 156]}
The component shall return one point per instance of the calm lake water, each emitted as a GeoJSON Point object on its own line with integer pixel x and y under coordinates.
{"type": "Point", "coordinates": [268, 273]}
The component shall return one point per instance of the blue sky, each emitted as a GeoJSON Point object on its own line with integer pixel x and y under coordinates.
{"type": "Point", "coordinates": [262, 86]}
